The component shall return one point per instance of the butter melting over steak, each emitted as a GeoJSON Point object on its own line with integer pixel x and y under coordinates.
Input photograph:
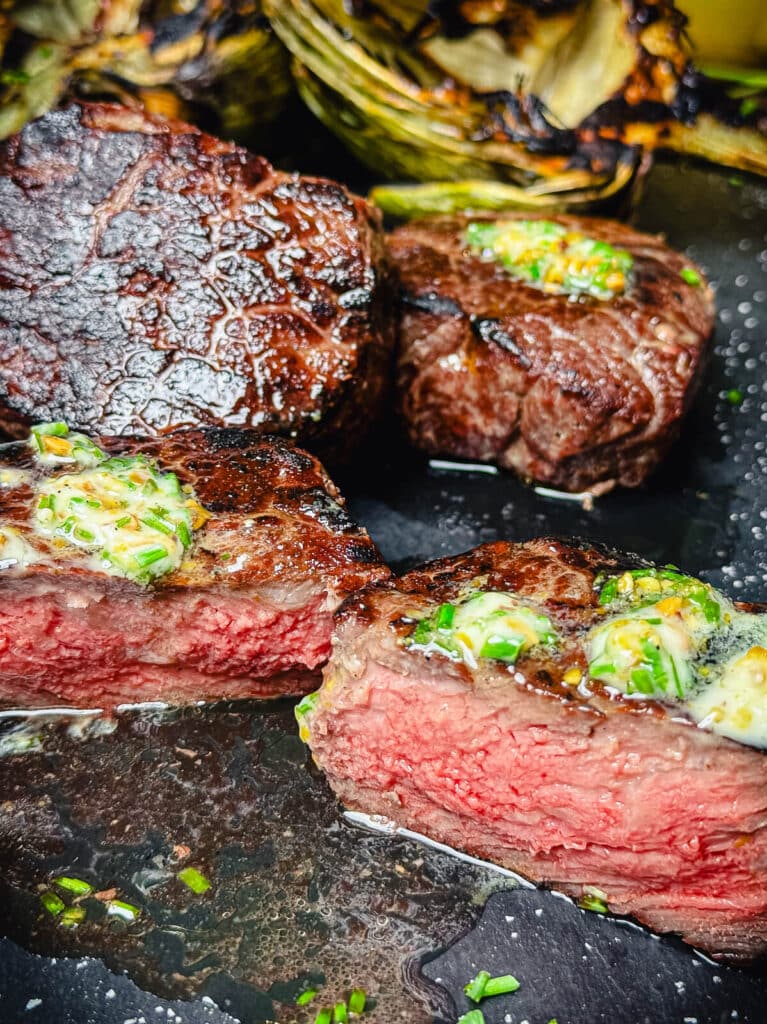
{"type": "Point", "coordinates": [247, 613]}
{"type": "Point", "coordinates": [574, 393]}
{"type": "Point", "coordinates": [625, 802]}
{"type": "Point", "coordinates": [154, 277]}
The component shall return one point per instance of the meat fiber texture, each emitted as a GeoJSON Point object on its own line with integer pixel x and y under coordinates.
{"type": "Point", "coordinates": [154, 277]}
{"type": "Point", "coordinates": [569, 788]}
{"type": "Point", "coordinates": [247, 614]}
{"type": "Point", "coordinates": [577, 395]}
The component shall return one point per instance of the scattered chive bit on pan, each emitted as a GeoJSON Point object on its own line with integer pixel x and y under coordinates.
{"type": "Point", "coordinates": [306, 996]}
{"type": "Point", "coordinates": [594, 900]}
{"type": "Point", "coordinates": [475, 989]}
{"type": "Point", "coordinates": [76, 886]}
{"type": "Point", "coordinates": [340, 1013]}
{"type": "Point", "coordinates": [472, 1017]}
{"type": "Point", "coordinates": [72, 917]}
{"type": "Point", "coordinates": [194, 880]}
{"type": "Point", "coordinates": [52, 903]}
{"type": "Point", "coordinates": [734, 396]}
{"type": "Point", "coordinates": [690, 276]}
{"type": "Point", "coordinates": [483, 986]}
{"type": "Point", "coordinates": [357, 1000]}
{"type": "Point", "coordinates": [125, 911]}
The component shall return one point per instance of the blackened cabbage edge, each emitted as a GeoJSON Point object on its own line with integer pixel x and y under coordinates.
{"type": "Point", "coordinates": [558, 101]}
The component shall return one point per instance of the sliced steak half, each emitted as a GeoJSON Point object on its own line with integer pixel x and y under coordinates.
{"type": "Point", "coordinates": [532, 764]}
{"type": "Point", "coordinates": [246, 611]}
{"type": "Point", "coordinates": [154, 277]}
{"type": "Point", "coordinates": [577, 393]}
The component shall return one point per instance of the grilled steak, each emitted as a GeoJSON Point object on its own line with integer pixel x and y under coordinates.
{"type": "Point", "coordinates": [502, 742]}
{"type": "Point", "coordinates": [121, 582]}
{"type": "Point", "coordinates": [572, 390]}
{"type": "Point", "coordinates": [154, 277]}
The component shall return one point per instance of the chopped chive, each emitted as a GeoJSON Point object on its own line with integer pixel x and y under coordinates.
{"type": "Point", "coordinates": [357, 1000]}
{"type": "Point", "coordinates": [67, 526]}
{"type": "Point", "coordinates": [92, 503]}
{"type": "Point", "coordinates": [225, 556]}
{"type": "Point", "coordinates": [121, 909]}
{"type": "Point", "coordinates": [472, 1017]}
{"type": "Point", "coordinates": [734, 396]}
{"type": "Point", "coordinates": [183, 533]}
{"type": "Point", "coordinates": [501, 985]}
{"type": "Point", "coordinates": [325, 1016]}
{"type": "Point", "coordinates": [72, 917]}
{"type": "Point", "coordinates": [340, 1013]}
{"type": "Point", "coordinates": [157, 524]}
{"type": "Point", "coordinates": [123, 521]}
{"type": "Point", "coordinates": [85, 535]}
{"type": "Point", "coordinates": [475, 989]}
{"type": "Point", "coordinates": [150, 556]}
{"type": "Point", "coordinates": [52, 903]}
{"type": "Point", "coordinates": [690, 276]}
{"type": "Point", "coordinates": [47, 501]}
{"type": "Point", "coordinates": [77, 886]}
{"type": "Point", "coordinates": [501, 648]}
{"type": "Point", "coordinates": [445, 616]}
{"type": "Point", "coordinates": [591, 902]}
{"type": "Point", "coordinates": [749, 106]}
{"type": "Point", "coordinates": [307, 996]}
{"type": "Point", "coordinates": [608, 591]}
{"type": "Point", "coordinates": [194, 880]}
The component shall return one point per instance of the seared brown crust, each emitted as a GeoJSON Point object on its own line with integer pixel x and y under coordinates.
{"type": "Point", "coordinates": [154, 277]}
{"type": "Point", "coordinates": [575, 394]}
{"type": "Point", "coordinates": [278, 521]}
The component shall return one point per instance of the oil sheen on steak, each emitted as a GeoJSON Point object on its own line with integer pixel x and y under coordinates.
{"type": "Point", "coordinates": [575, 394]}
{"type": "Point", "coordinates": [247, 614]}
{"type": "Point", "coordinates": [562, 784]}
{"type": "Point", "coordinates": [154, 277]}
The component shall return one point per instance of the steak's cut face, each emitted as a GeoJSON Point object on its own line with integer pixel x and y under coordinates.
{"type": "Point", "coordinates": [505, 745]}
{"type": "Point", "coordinates": [246, 612]}
{"type": "Point", "coordinates": [154, 277]}
{"type": "Point", "coordinates": [577, 392]}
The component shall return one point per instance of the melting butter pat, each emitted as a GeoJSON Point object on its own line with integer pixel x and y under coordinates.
{"type": "Point", "coordinates": [735, 703]}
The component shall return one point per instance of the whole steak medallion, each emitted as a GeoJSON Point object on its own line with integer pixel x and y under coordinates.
{"type": "Point", "coordinates": [154, 277]}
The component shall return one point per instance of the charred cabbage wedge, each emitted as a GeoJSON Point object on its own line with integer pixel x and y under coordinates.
{"type": "Point", "coordinates": [521, 104]}
{"type": "Point", "coordinates": [194, 59]}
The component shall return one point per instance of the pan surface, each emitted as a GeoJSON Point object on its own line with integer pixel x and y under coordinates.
{"type": "Point", "coordinates": [300, 896]}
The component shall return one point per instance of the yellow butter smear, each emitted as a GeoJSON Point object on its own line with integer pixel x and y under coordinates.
{"type": "Point", "coordinates": [552, 257]}
{"type": "Point", "coordinates": [137, 520]}
{"type": "Point", "coordinates": [672, 638]}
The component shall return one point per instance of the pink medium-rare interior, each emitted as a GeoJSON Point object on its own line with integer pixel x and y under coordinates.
{"type": "Point", "coordinates": [661, 821]}
{"type": "Point", "coordinates": [87, 647]}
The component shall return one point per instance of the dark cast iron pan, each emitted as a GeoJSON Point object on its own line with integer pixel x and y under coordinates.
{"type": "Point", "coordinates": [302, 897]}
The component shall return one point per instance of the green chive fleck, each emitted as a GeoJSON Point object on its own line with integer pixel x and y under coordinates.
{"type": "Point", "coordinates": [590, 902]}
{"type": "Point", "coordinates": [690, 276]}
{"type": "Point", "coordinates": [52, 903]}
{"type": "Point", "coordinates": [325, 1016]}
{"type": "Point", "coordinates": [126, 911]}
{"type": "Point", "coordinates": [734, 396]}
{"type": "Point", "coordinates": [76, 886]}
{"type": "Point", "coordinates": [150, 556]}
{"type": "Point", "coordinates": [340, 1014]}
{"type": "Point", "coordinates": [194, 880]}
{"type": "Point", "coordinates": [445, 616]}
{"type": "Point", "coordinates": [72, 917]}
{"type": "Point", "coordinates": [475, 989]}
{"type": "Point", "coordinates": [307, 996]}
{"type": "Point", "coordinates": [472, 1017]}
{"type": "Point", "coordinates": [357, 1000]}
{"type": "Point", "coordinates": [501, 985]}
